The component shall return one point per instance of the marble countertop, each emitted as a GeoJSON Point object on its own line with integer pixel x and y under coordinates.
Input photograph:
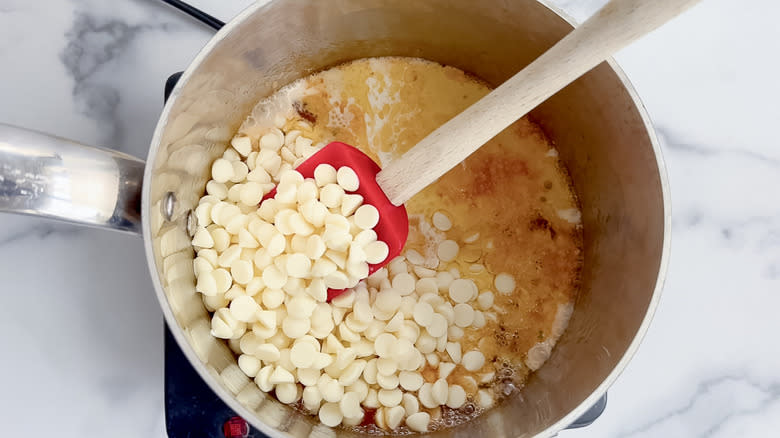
{"type": "Point", "coordinates": [82, 331]}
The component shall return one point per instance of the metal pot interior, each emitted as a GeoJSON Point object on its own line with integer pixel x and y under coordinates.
{"type": "Point", "coordinates": [597, 123]}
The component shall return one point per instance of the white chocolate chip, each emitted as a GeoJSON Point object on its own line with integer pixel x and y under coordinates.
{"type": "Point", "coordinates": [441, 221]}
{"type": "Point", "coordinates": [426, 286]}
{"type": "Point", "coordinates": [484, 399]}
{"type": "Point", "coordinates": [426, 396]}
{"type": "Point", "coordinates": [385, 344]}
{"type": "Point", "coordinates": [273, 277]}
{"type": "Point", "coordinates": [473, 360]}
{"type": "Point", "coordinates": [438, 326]}
{"type": "Point", "coordinates": [365, 237]}
{"type": "Point", "coordinates": [379, 417]}
{"type": "Point", "coordinates": [295, 327]}
{"type": "Point", "coordinates": [423, 314]}
{"type": "Point", "coordinates": [308, 376]}
{"type": "Point", "coordinates": [388, 301]}
{"type": "Point", "coordinates": [223, 280]}
{"type": "Point", "coordinates": [250, 365]}
{"type": "Point", "coordinates": [390, 397]}
{"type": "Point", "coordinates": [281, 375]}
{"type": "Point", "coordinates": [404, 284]}
{"type": "Point", "coordinates": [288, 392]}
{"type": "Point", "coordinates": [325, 174]}
{"type": "Point", "coordinates": [222, 170]}
{"type": "Point", "coordinates": [376, 252]}
{"type": "Point", "coordinates": [366, 216]}
{"type": "Point", "coordinates": [302, 355]}
{"type": "Point", "coordinates": [454, 350]}
{"type": "Point", "coordinates": [259, 175]}
{"type": "Point", "coordinates": [386, 366]}
{"type": "Point", "coordinates": [410, 381]}
{"type": "Point", "coordinates": [272, 298]}
{"type": "Point", "coordinates": [444, 280]}
{"type": "Point", "coordinates": [350, 405]}
{"type": "Point", "coordinates": [247, 240]}
{"type": "Point", "coordinates": [337, 280]}
{"type": "Point", "coordinates": [350, 203]}
{"type": "Point", "coordinates": [439, 391]}
{"type": "Point", "coordinates": [454, 333]}
{"type": "Point", "coordinates": [263, 378]}
{"type": "Point", "coordinates": [418, 422]}
{"type": "Point", "coordinates": [371, 401]}
{"type": "Point", "coordinates": [395, 323]}
{"type": "Point", "coordinates": [298, 266]}
{"type": "Point", "coordinates": [331, 195]}
{"type": "Point", "coordinates": [485, 300]}
{"type": "Point", "coordinates": [217, 189]}
{"type": "Point", "coordinates": [330, 414]}
{"type": "Point", "coordinates": [445, 369]}
{"type": "Point", "coordinates": [347, 179]}
{"type": "Point", "coordinates": [272, 141]}
{"type": "Point", "coordinates": [410, 404]}
{"type": "Point", "coordinates": [370, 372]}
{"type": "Point", "coordinates": [360, 387]}
{"type": "Point", "coordinates": [267, 352]}
{"type": "Point", "coordinates": [471, 238]}
{"type": "Point", "coordinates": [203, 239]}
{"type": "Point", "coordinates": [299, 225]}
{"type": "Point", "coordinates": [487, 377]}
{"type": "Point", "coordinates": [394, 416]}
{"type": "Point", "coordinates": [447, 311]}
{"type": "Point", "coordinates": [330, 388]}
{"type": "Point", "coordinates": [504, 283]}
{"type": "Point", "coordinates": [464, 315]}
{"type": "Point", "coordinates": [432, 359]}
{"type": "Point", "coordinates": [240, 171]}
{"type": "Point", "coordinates": [242, 271]}
{"type": "Point", "coordinates": [456, 397]}
{"type": "Point", "coordinates": [414, 257]}
{"type": "Point", "coordinates": [311, 398]}
{"type": "Point", "coordinates": [425, 343]}
{"type": "Point", "coordinates": [447, 250]}
{"type": "Point", "coordinates": [352, 372]}
{"type": "Point", "coordinates": [462, 290]}
{"type": "Point", "coordinates": [244, 308]}
{"type": "Point", "coordinates": [387, 382]}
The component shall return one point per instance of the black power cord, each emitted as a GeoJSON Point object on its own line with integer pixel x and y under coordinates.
{"type": "Point", "coordinates": [196, 13]}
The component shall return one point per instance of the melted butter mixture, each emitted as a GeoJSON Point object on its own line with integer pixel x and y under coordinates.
{"type": "Point", "coordinates": [513, 194]}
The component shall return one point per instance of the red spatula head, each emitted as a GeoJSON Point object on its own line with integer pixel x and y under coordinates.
{"type": "Point", "coordinates": [393, 226]}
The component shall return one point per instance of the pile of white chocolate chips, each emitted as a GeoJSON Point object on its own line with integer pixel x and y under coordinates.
{"type": "Point", "coordinates": [264, 269]}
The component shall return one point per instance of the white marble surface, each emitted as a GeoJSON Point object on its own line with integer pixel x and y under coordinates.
{"type": "Point", "coordinates": [82, 333]}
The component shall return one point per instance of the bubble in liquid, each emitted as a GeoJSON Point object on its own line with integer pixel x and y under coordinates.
{"type": "Point", "coordinates": [506, 373]}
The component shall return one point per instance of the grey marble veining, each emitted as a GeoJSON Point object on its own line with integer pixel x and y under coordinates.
{"type": "Point", "coordinates": [710, 404]}
{"type": "Point", "coordinates": [79, 306]}
{"type": "Point", "coordinates": [94, 42]}
{"type": "Point", "coordinates": [91, 44]}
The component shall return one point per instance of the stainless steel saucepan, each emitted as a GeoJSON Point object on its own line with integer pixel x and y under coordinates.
{"type": "Point", "coordinates": [598, 124]}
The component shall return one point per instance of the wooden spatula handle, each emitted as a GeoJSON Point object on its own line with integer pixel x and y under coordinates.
{"type": "Point", "coordinates": [616, 25]}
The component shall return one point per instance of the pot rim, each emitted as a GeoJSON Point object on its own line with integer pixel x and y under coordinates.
{"type": "Point", "coordinates": [251, 417]}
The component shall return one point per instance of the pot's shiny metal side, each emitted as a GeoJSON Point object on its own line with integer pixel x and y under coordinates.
{"type": "Point", "coordinates": [598, 124]}
{"type": "Point", "coordinates": [42, 175]}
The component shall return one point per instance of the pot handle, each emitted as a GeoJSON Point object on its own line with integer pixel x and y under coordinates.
{"type": "Point", "coordinates": [49, 176]}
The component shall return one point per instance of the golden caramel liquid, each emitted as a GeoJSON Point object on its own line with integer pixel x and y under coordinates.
{"type": "Point", "coordinates": [514, 193]}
